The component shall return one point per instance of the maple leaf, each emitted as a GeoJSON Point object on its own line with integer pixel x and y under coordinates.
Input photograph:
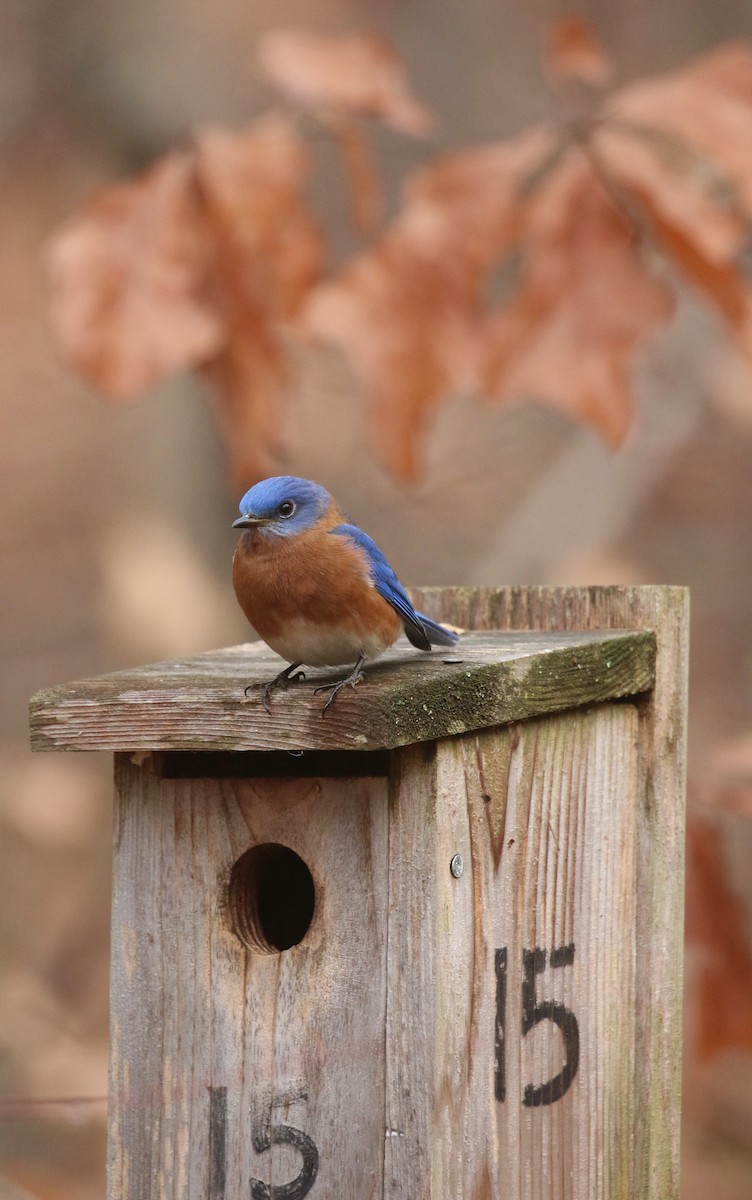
{"type": "Point", "coordinates": [126, 274]}
{"type": "Point", "coordinates": [407, 312]}
{"type": "Point", "coordinates": [573, 52]}
{"type": "Point", "coordinates": [585, 301]}
{"type": "Point", "coordinates": [344, 75]}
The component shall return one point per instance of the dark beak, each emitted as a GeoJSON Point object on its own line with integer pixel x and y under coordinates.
{"type": "Point", "coordinates": [248, 522]}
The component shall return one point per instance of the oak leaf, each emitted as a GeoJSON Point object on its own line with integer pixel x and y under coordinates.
{"type": "Point", "coordinates": [670, 183]}
{"type": "Point", "coordinates": [407, 313]}
{"type": "Point", "coordinates": [707, 104]}
{"type": "Point", "coordinates": [343, 74]}
{"type": "Point", "coordinates": [209, 259]}
{"type": "Point", "coordinates": [127, 274]}
{"type": "Point", "coordinates": [407, 328]}
{"type": "Point", "coordinates": [266, 244]}
{"type": "Point", "coordinates": [584, 303]}
{"type": "Point", "coordinates": [723, 284]}
{"type": "Point", "coordinates": [203, 261]}
{"type": "Point", "coordinates": [267, 252]}
{"type": "Point", "coordinates": [681, 143]}
{"type": "Point", "coordinates": [470, 202]}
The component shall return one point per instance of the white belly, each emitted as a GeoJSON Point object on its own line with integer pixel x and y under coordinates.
{"type": "Point", "coordinates": [325, 645]}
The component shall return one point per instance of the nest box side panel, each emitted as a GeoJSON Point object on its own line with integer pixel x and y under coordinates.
{"type": "Point", "coordinates": [661, 821]}
{"type": "Point", "coordinates": [241, 1071]}
{"type": "Point", "coordinates": [512, 1001]}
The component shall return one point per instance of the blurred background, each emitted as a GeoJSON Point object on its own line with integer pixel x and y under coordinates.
{"type": "Point", "coordinates": [116, 538]}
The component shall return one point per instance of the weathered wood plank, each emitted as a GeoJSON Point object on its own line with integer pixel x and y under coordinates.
{"type": "Point", "coordinates": [488, 679]}
{"type": "Point", "coordinates": [660, 817]}
{"type": "Point", "coordinates": [523, 966]}
{"type": "Point", "coordinates": [413, 1036]}
{"type": "Point", "coordinates": [230, 1065]}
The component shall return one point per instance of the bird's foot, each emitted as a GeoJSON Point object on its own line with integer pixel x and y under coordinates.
{"type": "Point", "coordinates": [282, 681]}
{"type": "Point", "coordinates": [334, 689]}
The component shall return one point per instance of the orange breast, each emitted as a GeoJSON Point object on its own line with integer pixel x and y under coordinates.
{"type": "Point", "coordinates": [314, 577]}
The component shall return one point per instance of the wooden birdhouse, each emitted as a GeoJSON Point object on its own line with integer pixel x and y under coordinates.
{"type": "Point", "coordinates": [425, 948]}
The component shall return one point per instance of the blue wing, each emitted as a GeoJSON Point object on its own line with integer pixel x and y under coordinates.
{"type": "Point", "coordinates": [387, 584]}
{"type": "Point", "coordinates": [422, 631]}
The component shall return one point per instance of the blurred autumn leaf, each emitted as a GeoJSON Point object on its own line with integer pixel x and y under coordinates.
{"type": "Point", "coordinates": [198, 263]}
{"type": "Point", "coordinates": [212, 259]}
{"type": "Point", "coordinates": [366, 192]}
{"type": "Point", "coordinates": [408, 312]}
{"type": "Point", "coordinates": [339, 78]}
{"type": "Point", "coordinates": [716, 926]}
{"type": "Point", "coordinates": [573, 52]}
{"type": "Point", "coordinates": [265, 253]}
{"type": "Point", "coordinates": [584, 302]}
{"type": "Point", "coordinates": [344, 75]}
{"type": "Point", "coordinates": [127, 274]}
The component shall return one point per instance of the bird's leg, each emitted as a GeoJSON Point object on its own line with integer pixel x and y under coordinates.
{"type": "Point", "coordinates": [350, 680]}
{"type": "Point", "coordinates": [283, 680]}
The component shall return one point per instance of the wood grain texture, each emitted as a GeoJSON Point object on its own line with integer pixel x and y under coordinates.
{"type": "Point", "coordinates": [198, 704]}
{"type": "Point", "coordinates": [660, 825]}
{"type": "Point", "coordinates": [418, 1034]}
{"type": "Point", "coordinates": [216, 1049]}
{"type": "Point", "coordinates": [545, 817]}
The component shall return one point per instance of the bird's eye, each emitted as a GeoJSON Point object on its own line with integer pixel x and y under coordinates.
{"type": "Point", "coordinates": [286, 508]}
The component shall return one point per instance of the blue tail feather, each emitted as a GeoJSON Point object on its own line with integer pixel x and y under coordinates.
{"type": "Point", "coordinates": [437, 634]}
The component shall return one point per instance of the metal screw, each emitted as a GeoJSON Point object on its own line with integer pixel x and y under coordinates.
{"type": "Point", "coordinates": [457, 865]}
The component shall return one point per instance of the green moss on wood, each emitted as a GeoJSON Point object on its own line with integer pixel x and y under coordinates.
{"type": "Point", "coordinates": [491, 679]}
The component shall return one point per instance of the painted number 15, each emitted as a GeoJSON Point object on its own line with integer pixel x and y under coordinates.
{"type": "Point", "coordinates": [534, 1011]}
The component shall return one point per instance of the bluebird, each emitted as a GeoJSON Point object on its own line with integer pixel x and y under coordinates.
{"type": "Point", "coordinates": [316, 588]}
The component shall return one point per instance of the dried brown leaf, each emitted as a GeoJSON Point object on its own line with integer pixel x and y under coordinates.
{"type": "Point", "coordinates": [716, 923]}
{"type": "Point", "coordinates": [585, 301]}
{"type": "Point", "coordinates": [366, 195]}
{"type": "Point", "coordinates": [267, 254]}
{"type": "Point", "coordinates": [126, 278]}
{"type": "Point", "coordinates": [345, 74]}
{"type": "Point", "coordinates": [469, 202]}
{"type": "Point", "coordinates": [723, 284]}
{"type": "Point", "coordinates": [671, 183]}
{"type": "Point", "coordinates": [730, 761]}
{"type": "Point", "coordinates": [574, 52]}
{"type": "Point", "coordinates": [407, 313]}
{"type": "Point", "coordinates": [248, 382]}
{"type": "Point", "coordinates": [408, 333]}
{"type": "Point", "coordinates": [251, 185]}
{"type": "Point", "coordinates": [708, 104]}
{"type": "Point", "coordinates": [682, 144]}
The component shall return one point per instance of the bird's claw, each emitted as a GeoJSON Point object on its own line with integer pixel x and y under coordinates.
{"type": "Point", "coordinates": [282, 681]}
{"type": "Point", "coordinates": [334, 689]}
{"type": "Point", "coordinates": [291, 674]}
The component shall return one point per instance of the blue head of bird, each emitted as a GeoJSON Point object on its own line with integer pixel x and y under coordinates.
{"type": "Point", "coordinates": [282, 506]}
